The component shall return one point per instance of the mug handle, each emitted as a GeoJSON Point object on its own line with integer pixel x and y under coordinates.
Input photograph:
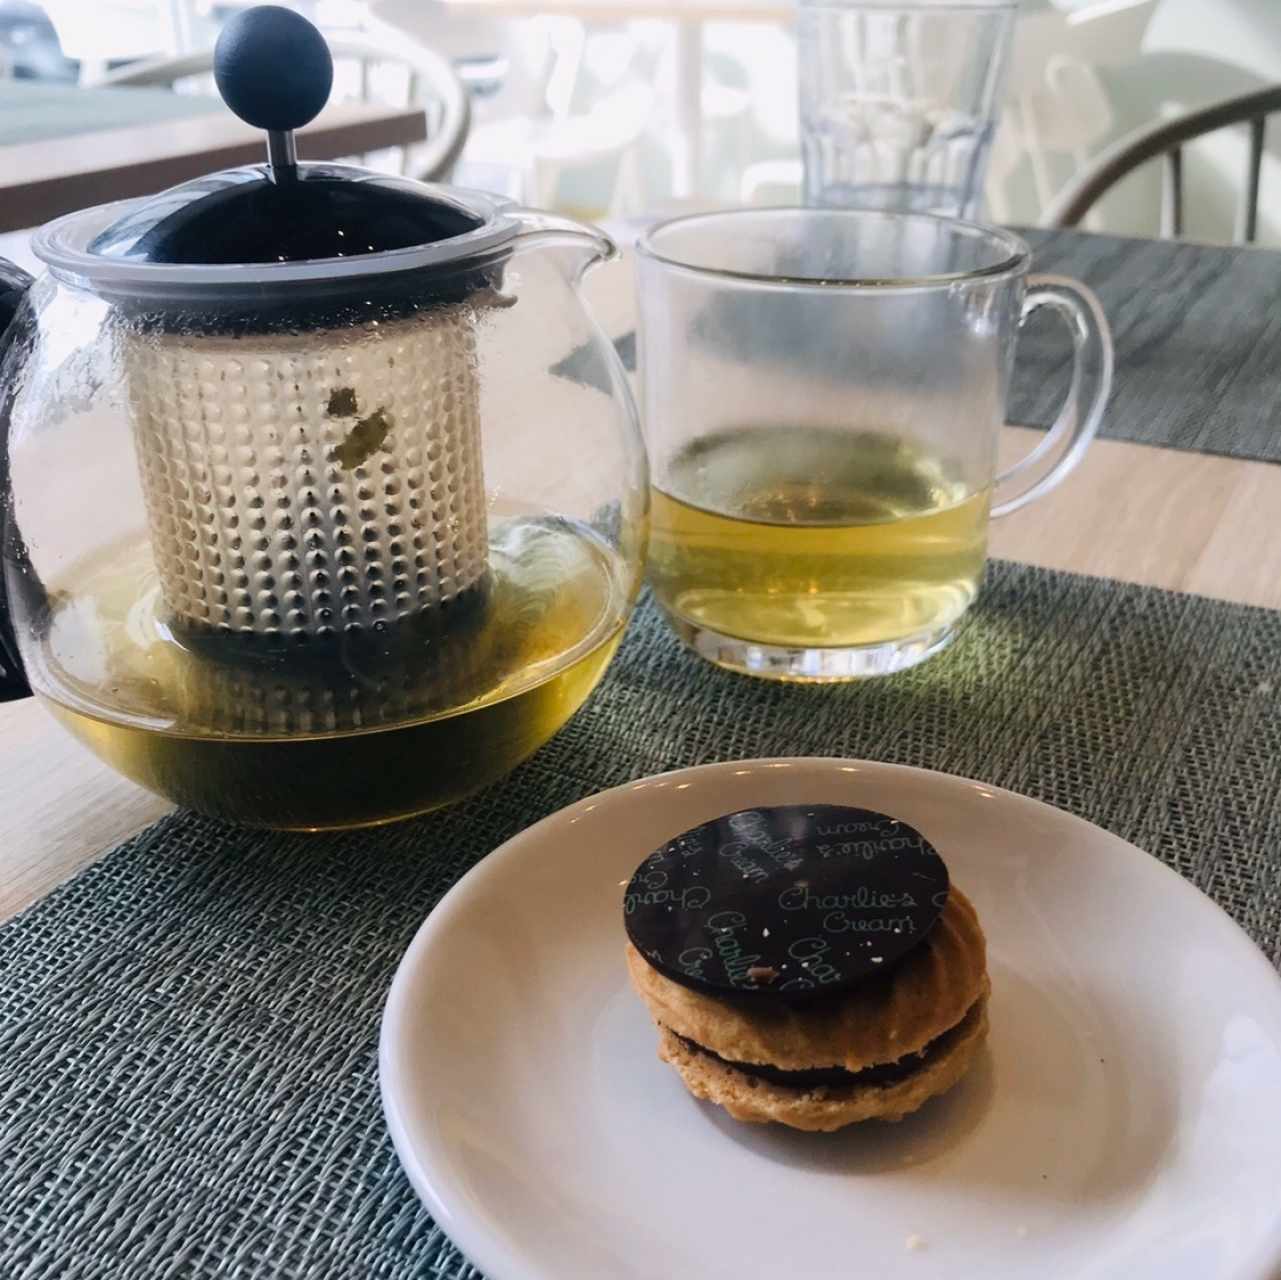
{"type": "Point", "coordinates": [1092, 362]}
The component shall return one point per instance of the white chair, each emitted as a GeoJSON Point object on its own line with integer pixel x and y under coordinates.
{"type": "Point", "coordinates": [771, 182]}
{"type": "Point", "coordinates": [478, 45]}
{"type": "Point", "coordinates": [749, 107]}
{"type": "Point", "coordinates": [510, 65]}
{"type": "Point", "coordinates": [538, 155]}
{"type": "Point", "coordinates": [606, 135]}
{"type": "Point", "coordinates": [1057, 108]}
{"type": "Point", "coordinates": [366, 70]}
{"type": "Point", "coordinates": [593, 104]}
{"type": "Point", "coordinates": [100, 32]}
{"type": "Point", "coordinates": [768, 54]}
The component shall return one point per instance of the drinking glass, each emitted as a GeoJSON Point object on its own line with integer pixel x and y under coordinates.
{"type": "Point", "coordinates": [899, 100]}
{"type": "Point", "coordinates": [823, 396]}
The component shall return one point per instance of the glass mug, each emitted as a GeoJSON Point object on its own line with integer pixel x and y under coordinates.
{"type": "Point", "coordinates": [823, 395]}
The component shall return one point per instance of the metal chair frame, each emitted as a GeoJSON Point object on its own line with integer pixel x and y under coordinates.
{"type": "Point", "coordinates": [1167, 139]}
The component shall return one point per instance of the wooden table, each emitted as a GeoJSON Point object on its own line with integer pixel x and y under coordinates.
{"type": "Point", "coordinates": [41, 180]}
{"type": "Point", "coordinates": [1186, 521]}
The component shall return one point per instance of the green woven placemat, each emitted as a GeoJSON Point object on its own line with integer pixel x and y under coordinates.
{"type": "Point", "coordinates": [1197, 330]}
{"type": "Point", "coordinates": [188, 1082]}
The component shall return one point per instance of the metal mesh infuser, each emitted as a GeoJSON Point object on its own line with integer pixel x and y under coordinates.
{"type": "Point", "coordinates": [304, 484]}
{"type": "Point", "coordinates": [299, 344]}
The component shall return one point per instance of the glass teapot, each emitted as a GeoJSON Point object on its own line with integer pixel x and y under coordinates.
{"type": "Point", "coordinates": [324, 499]}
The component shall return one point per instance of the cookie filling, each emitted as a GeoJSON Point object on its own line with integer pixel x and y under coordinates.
{"type": "Point", "coordinates": [838, 1077]}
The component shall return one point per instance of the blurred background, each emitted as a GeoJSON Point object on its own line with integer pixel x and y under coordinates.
{"type": "Point", "coordinates": [619, 110]}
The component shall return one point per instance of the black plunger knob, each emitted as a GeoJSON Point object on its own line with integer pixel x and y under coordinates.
{"type": "Point", "coordinates": [273, 68]}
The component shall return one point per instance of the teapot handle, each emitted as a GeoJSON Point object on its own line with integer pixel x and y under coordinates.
{"type": "Point", "coordinates": [14, 283]}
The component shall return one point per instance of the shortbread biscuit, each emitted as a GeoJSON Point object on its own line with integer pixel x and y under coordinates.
{"type": "Point", "coordinates": [808, 964]}
{"type": "Point", "coordinates": [827, 1107]}
{"type": "Point", "coordinates": [879, 1021]}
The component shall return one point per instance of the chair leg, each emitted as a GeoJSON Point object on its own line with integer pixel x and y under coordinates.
{"type": "Point", "coordinates": [1042, 179]}
{"type": "Point", "coordinates": [91, 71]}
{"type": "Point", "coordinates": [998, 207]}
{"type": "Point", "coordinates": [625, 198]}
{"type": "Point", "coordinates": [1248, 212]}
{"type": "Point", "coordinates": [542, 178]}
{"type": "Point", "coordinates": [1172, 195]}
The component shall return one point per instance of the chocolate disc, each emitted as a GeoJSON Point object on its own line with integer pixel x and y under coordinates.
{"type": "Point", "coordinates": [795, 901]}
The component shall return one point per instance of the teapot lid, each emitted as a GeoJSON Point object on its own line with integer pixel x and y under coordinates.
{"type": "Point", "coordinates": [249, 216]}
{"type": "Point", "coordinates": [274, 70]}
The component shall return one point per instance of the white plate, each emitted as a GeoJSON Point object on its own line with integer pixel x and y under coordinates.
{"type": "Point", "coordinates": [1124, 1122]}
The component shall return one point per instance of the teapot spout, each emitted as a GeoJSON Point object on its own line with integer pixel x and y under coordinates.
{"type": "Point", "coordinates": [580, 246]}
